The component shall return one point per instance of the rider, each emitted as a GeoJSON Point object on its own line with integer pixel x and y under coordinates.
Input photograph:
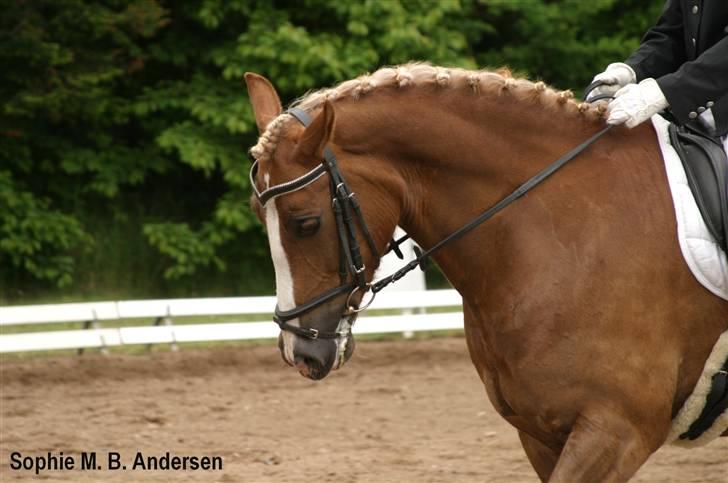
{"type": "Point", "coordinates": [681, 64]}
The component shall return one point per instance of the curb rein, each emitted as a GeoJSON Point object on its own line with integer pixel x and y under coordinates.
{"type": "Point", "coordinates": [346, 207]}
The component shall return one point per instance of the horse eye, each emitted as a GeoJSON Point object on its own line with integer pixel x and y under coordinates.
{"type": "Point", "coordinates": [306, 225]}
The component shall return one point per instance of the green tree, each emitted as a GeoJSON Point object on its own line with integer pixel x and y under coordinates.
{"type": "Point", "coordinates": [125, 124]}
{"type": "Point", "coordinates": [562, 42]}
{"type": "Point", "coordinates": [66, 130]}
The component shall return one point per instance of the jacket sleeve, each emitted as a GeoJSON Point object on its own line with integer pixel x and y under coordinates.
{"type": "Point", "coordinates": [662, 49]}
{"type": "Point", "coordinates": [698, 82]}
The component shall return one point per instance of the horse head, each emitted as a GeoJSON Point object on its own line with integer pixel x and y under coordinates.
{"type": "Point", "coordinates": [324, 252]}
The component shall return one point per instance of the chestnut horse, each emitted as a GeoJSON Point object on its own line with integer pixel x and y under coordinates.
{"type": "Point", "coordinates": [581, 317]}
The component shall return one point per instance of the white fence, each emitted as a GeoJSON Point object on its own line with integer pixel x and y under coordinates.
{"type": "Point", "coordinates": [410, 305]}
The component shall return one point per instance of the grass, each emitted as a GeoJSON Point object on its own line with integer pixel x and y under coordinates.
{"type": "Point", "coordinates": [136, 322]}
{"type": "Point", "coordinates": [144, 349]}
{"type": "Point", "coordinates": [132, 350]}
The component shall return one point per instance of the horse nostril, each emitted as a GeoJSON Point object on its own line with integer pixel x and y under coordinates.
{"type": "Point", "coordinates": [307, 361]}
{"type": "Point", "coordinates": [308, 366]}
{"type": "Point", "coordinates": [314, 358]}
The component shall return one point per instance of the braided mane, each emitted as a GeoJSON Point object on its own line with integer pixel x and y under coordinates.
{"type": "Point", "coordinates": [418, 74]}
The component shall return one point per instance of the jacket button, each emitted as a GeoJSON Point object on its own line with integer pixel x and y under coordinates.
{"type": "Point", "coordinates": [695, 9]}
{"type": "Point", "coordinates": [693, 39]}
{"type": "Point", "coordinates": [693, 115]}
{"type": "Point", "coordinates": [710, 104]}
{"type": "Point", "coordinates": [701, 110]}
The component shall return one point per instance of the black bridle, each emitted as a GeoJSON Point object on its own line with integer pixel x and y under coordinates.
{"type": "Point", "coordinates": [347, 212]}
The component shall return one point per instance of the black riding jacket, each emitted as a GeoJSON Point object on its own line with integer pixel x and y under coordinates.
{"type": "Point", "coordinates": [687, 53]}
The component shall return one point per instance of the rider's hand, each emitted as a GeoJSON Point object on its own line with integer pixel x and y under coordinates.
{"type": "Point", "coordinates": [615, 77]}
{"type": "Point", "coordinates": [636, 103]}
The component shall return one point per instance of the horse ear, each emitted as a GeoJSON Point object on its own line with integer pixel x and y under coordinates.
{"type": "Point", "coordinates": [263, 96]}
{"type": "Point", "coordinates": [316, 136]}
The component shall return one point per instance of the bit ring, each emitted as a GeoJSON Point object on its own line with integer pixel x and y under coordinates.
{"type": "Point", "coordinates": [355, 310]}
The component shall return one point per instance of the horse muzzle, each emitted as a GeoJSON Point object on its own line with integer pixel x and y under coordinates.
{"type": "Point", "coordinates": [314, 359]}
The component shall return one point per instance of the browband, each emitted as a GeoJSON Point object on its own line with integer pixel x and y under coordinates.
{"type": "Point", "coordinates": [287, 187]}
{"type": "Point", "coordinates": [295, 184]}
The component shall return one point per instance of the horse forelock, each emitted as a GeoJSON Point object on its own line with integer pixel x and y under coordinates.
{"type": "Point", "coordinates": [420, 74]}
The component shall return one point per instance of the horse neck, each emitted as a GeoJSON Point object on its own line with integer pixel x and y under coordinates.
{"type": "Point", "coordinates": [456, 156]}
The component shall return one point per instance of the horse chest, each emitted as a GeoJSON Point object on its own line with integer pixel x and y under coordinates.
{"type": "Point", "coordinates": [516, 393]}
{"type": "Point", "coordinates": [526, 412]}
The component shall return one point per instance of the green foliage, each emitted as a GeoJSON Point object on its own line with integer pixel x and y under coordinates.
{"type": "Point", "coordinates": [189, 249]}
{"type": "Point", "coordinates": [124, 124]}
{"type": "Point", "coordinates": [34, 238]}
{"type": "Point", "coordinates": [64, 120]}
{"type": "Point", "coordinates": [565, 42]}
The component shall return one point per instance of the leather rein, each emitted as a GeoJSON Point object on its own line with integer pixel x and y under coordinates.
{"type": "Point", "coordinates": [347, 212]}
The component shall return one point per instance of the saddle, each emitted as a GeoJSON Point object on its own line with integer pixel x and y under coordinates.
{"type": "Point", "coordinates": [706, 167]}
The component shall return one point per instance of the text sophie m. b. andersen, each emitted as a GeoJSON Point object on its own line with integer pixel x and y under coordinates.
{"type": "Point", "coordinates": [113, 461]}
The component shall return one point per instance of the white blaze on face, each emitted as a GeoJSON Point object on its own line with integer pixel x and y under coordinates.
{"type": "Point", "coordinates": [284, 279]}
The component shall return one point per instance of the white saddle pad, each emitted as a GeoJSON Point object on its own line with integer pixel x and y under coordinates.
{"type": "Point", "coordinates": [702, 253]}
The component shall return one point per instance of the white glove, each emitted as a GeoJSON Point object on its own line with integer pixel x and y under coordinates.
{"type": "Point", "coordinates": [636, 103]}
{"type": "Point", "coordinates": [616, 76]}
